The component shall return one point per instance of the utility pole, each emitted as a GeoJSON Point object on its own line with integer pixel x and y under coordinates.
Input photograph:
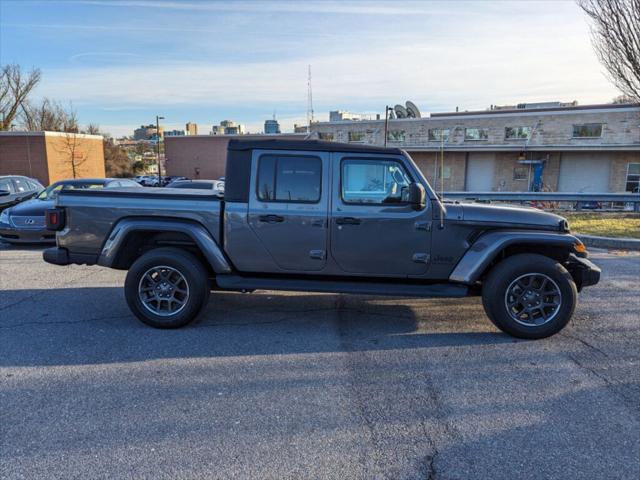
{"type": "Point", "coordinates": [158, 118]}
{"type": "Point", "coordinates": [309, 101]}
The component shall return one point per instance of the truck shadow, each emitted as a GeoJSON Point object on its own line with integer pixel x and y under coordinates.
{"type": "Point", "coordinates": [74, 326]}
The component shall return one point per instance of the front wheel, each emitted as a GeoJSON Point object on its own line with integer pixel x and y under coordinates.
{"type": "Point", "coordinates": [529, 296]}
{"type": "Point", "coordinates": [166, 287]}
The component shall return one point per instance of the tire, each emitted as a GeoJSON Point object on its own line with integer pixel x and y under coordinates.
{"type": "Point", "coordinates": [175, 277]}
{"type": "Point", "coordinates": [529, 296]}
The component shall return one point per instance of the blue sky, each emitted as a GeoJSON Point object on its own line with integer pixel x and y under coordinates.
{"type": "Point", "coordinates": [123, 62]}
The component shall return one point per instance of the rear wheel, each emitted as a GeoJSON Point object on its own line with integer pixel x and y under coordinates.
{"type": "Point", "coordinates": [529, 296]}
{"type": "Point", "coordinates": [166, 287]}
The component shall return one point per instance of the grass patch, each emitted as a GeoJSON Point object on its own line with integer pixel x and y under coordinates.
{"type": "Point", "coordinates": [605, 224]}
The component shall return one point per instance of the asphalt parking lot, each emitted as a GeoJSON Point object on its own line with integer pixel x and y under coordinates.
{"type": "Point", "coordinates": [297, 385]}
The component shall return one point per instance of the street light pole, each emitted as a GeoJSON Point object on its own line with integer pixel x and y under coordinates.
{"type": "Point", "coordinates": [158, 118]}
{"type": "Point", "coordinates": [386, 123]}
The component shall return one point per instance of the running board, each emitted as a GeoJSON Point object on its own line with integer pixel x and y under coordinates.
{"type": "Point", "coordinates": [236, 282]}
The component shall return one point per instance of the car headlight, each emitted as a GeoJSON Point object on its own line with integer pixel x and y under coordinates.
{"type": "Point", "coordinates": [4, 216]}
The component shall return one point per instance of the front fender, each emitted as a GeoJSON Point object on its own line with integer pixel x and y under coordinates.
{"type": "Point", "coordinates": [197, 233]}
{"type": "Point", "coordinates": [489, 245]}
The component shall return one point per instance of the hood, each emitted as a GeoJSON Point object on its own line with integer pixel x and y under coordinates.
{"type": "Point", "coordinates": [31, 208]}
{"type": "Point", "coordinates": [518, 217]}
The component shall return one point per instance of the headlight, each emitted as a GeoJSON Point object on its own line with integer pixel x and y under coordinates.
{"type": "Point", "coordinates": [4, 216]}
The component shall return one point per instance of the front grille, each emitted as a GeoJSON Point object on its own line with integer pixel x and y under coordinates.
{"type": "Point", "coordinates": [36, 223]}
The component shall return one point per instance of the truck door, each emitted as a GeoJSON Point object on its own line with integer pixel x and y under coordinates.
{"type": "Point", "coordinates": [373, 230]}
{"type": "Point", "coordinates": [288, 208]}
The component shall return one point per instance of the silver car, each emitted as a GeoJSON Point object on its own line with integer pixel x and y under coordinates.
{"type": "Point", "coordinates": [24, 223]}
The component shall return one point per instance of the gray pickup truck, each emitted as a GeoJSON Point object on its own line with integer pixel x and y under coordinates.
{"type": "Point", "coordinates": [323, 217]}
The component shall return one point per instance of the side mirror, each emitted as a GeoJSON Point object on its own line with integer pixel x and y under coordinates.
{"type": "Point", "coordinates": [417, 196]}
{"type": "Point", "coordinates": [4, 193]}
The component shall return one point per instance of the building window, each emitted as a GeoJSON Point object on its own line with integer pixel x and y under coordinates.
{"type": "Point", "coordinates": [587, 130]}
{"type": "Point", "coordinates": [517, 133]}
{"type": "Point", "coordinates": [294, 179]}
{"type": "Point", "coordinates": [633, 178]}
{"type": "Point", "coordinates": [520, 173]}
{"type": "Point", "coordinates": [373, 182]}
{"type": "Point", "coordinates": [444, 172]}
{"type": "Point", "coordinates": [476, 134]}
{"type": "Point", "coordinates": [395, 135]}
{"type": "Point", "coordinates": [438, 134]}
{"type": "Point", "coordinates": [325, 136]}
{"type": "Point", "coordinates": [356, 136]}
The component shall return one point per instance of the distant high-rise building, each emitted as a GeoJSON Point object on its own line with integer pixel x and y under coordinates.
{"type": "Point", "coordinates": [191, 128]}
{"type": "Point", "coordinates": [227, 127]}
{"type": "Point", "coordinates": [271, 126]}
{"type": "Point", "coordinates": [174, 133]}
{"type": "Point", "coordinates": [341, 115]}
{"type": "Point", "coordinates": [146, 132]}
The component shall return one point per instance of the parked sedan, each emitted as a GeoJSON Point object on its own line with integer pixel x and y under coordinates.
{"type": "Point", "coordinates": [215, 185]}
{"type": "Point", "coordinates": [24, 223]}
{"type": "Point", "coordinates": [16, 188]}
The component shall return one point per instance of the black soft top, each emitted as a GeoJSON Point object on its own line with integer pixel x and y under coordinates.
{"type": "Point", "coordinates": [239, 152]}
{"type": "Point", "coordinates": [276, 144]}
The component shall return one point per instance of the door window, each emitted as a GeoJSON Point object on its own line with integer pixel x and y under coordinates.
{"type": "Point", "coordinates": [288, 178]}
{"type": "Point", "coordinates": [374, 182]}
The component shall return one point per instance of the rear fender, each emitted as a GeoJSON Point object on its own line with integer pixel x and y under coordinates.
{"type": "Point", "coordinates": [489, 245]}
{"type": "Point", "coordinates": [205, 242]}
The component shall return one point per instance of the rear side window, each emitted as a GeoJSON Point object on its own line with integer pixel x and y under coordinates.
{"type": "Point", "coordinates": [289, 178]}
{"type": "Point", "coordinates": [21, 185]}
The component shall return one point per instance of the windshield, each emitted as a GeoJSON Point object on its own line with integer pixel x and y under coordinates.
{"type": "Point", "coordinates": [51, 192]}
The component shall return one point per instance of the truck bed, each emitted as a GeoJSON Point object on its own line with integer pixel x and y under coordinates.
{"type": "Point", "coordinates": [105, 207]}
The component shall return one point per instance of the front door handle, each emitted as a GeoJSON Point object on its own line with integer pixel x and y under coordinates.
{"type": "Point", "coordinates": [271, 218]}
{"type": "Point", "coordinates": [347, 221]}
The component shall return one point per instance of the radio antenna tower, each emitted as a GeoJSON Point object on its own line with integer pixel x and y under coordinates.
{"type": "Point", "coordinates": [309, 101]}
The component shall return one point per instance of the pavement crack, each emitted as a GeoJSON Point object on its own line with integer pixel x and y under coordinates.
{"type": "Point", "coordinates": [584, 342]}
{"type": "Point", "coordinates": [431, 465]}
{"type": "Point", "coordinates": [42, 292]}
{"type": "Point", "coordinates": [617, 388]}
{"type": "Point", "coordinates": [63, 322]}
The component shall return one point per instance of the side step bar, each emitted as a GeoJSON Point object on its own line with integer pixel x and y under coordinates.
{"type": "Point", "coordinates": [237, 282]}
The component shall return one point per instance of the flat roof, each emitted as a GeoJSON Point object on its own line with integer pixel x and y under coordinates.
{"type": "Point", "coordinates": [518, 112]}
{"type": "Point", "coordinates": [578, 108]}
{"type": "Point", "coordinates": [308, 145]}
{"type": "Point", "coordinates": [49, 134]}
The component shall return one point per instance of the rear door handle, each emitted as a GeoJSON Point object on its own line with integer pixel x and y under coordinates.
{"type": "Point", "coordinates": [347, 221]}
{"type": "Point", "coordinates": [271, 218]}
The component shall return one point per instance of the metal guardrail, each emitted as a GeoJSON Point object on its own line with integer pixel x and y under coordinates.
{"type": "Point", "coordinates": [544, 197]}
{"type": "Point", "coordinates": [577, 199]}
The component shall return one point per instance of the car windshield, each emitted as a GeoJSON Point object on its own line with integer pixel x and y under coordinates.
{"type": "Point", "coordinates": [51, 192]}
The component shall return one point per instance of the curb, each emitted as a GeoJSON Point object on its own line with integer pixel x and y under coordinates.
{"type": "Point", "coordinates": [609, 242]}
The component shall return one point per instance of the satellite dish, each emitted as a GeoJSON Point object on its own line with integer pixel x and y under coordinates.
{"type": "Point", "coordinates": [392, 115]}
{"type": "Point", "coordinates": [401, 112]}
{"type": "Point", "coordinates": [412, 110]}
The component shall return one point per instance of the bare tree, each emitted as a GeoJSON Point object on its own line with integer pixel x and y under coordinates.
{"type": "Point", "coordinates": [615, 34]}
{"type": "Point", "coordinates": [49, 115]}
{"type": "Point", "coordinates": [14, 90]}
{"type": "Point", "coordinates": [93, 129]}
{"type": "Point", "coordinates": [622, 99]}
{"type": "Point", "coordinates": [75, 150]}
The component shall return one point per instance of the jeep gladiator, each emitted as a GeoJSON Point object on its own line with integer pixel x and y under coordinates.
{"type": "Point", "coordinates": [323, 217]}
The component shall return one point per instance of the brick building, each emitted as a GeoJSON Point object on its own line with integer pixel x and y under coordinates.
{"type": "Point", "coordinates": [203, 156]}
{"type": "Point", "coordinates": [51, 156]}
{"type": "Point", "coordinates": [569, 148]}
